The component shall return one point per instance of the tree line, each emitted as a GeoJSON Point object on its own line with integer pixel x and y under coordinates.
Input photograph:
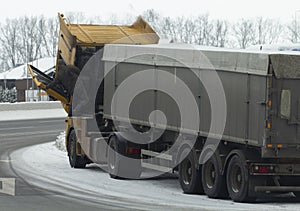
{"type": "Point", "coordinates": [25, 39]}
{"type": "Point", "coordinates": [203, 30]}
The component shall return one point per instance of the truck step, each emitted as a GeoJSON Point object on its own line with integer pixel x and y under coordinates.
{"type": "Point", "coordinates": [156, 154]}
{"type": "Point", "coordinates": [156, 167]}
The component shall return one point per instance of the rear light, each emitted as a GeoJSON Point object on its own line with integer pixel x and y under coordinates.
{"type": "Point", "coordinates": [279, 146]}
{"type": "Point", "coordinates": [132, 150]}
{"type": "Point", "coordinates": [269, 103]}
{"type": "Point", "coordinates": [263, 169]}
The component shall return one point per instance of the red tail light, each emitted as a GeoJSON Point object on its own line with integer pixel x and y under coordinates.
{"type": "Point", "coordinates": [131, 150]}
{"type": "Point", "coordinates": [263, 169]}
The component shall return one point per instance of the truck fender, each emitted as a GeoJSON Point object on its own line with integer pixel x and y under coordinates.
{"type": "Point", "coordinates": [181, 149]}
{"type": "Point", "coordinates": [244, 154]}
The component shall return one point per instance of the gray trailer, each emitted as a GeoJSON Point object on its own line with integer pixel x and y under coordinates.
{"type": "Point", "coordinates": [247, 145]}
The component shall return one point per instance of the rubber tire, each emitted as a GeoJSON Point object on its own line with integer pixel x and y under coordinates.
{"type": "Point", "coordinates": [187, 168]}
{"type": "Point", "coordinates": [213, 187]}
{"type": "Point", "coordinates": [241, 194]}
{"type": "Point", "coordinates": [75, 160]}
{"type": "Point", "coordinates": [118, 167]}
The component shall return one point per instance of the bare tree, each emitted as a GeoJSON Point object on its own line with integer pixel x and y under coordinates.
{"type": "Point", "coordinates": [168, 29]}
{"type": "Point", "coordinates": [187, 30]}
{"type": "Point", "coordinates": [219, 33]}
{"type": "Point", "coordinates": [31, 39]}
{"type": "Point", "coordinates": [268, 31]}
{"type": "Point", "coordinates": [9, 40]}
{"type": "Point", "coordinates": [153, 18]}
{"type": "Point", "coordinates": [203, 29]}
{"type": "Point", "coordinates": [49, 30]}
{"type": "Point", "coordinates": [180, 30]}
{"type": "Point", "coordinates": [244, 33]}
{"type": "Point", "coordinates": [294, 30]}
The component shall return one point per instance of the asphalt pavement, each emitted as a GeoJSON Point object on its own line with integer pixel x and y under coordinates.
{"type": "Point", "coordinates": [15, 193]}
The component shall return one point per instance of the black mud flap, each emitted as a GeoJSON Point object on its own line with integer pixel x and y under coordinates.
{"type": "Point", "coordinates": [47, 84]}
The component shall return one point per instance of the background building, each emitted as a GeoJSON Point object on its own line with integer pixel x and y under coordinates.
{"type": "Point", "coordinates": [19, 78]}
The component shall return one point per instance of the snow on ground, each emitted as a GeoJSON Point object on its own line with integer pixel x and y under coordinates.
{"type": "Point", "coordinates": [32, 114]}
{"type": "Point", "coordinates": [48, 167]}
{"type": "Point", "coordinates": [30, 110]}
{"type": "Point", "coordinates": [60, 142]}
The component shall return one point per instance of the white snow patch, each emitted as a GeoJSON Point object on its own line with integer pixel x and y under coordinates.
{"type": "Point", "coordinates": [31, 110]}
{"type": "Point", "coordinates": [32, 114]}
{"type": "Point", "coordinates": [30, 105]}
{"type": "Point", "coordinates": [48, 167]}
{"type": "Point", "coordinates": [60, 142]}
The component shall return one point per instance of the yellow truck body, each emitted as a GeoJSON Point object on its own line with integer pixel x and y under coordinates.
{"type": "Point", "coordinates": [88, 35]}
{"type": "Point", "coordinates": [75, 37]}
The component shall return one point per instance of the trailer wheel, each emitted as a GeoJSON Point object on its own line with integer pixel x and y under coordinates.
{"type": "Point", "coordinates": [119, 167]}
{"type": "Point", "coordinates": [75, 160]}
{"type": "Point", "coordinates": [214, 184]}
{"type": "Point", "coordinates": [189, 175]}
{"type": "Point", "coordinates": [238, 180]}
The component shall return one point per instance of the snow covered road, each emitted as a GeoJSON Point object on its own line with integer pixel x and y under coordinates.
{"type": "Point", "coordinates": [47, 167]}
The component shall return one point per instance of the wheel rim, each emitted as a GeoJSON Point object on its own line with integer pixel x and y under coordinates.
{"type": "Point", "coordinates": [210, 174]}
{"type": "Point", "coordinates": [112, 157]}
{"type": "Point", "coordinates": [236, 179]}
{"type": "Point", "coordinates": [187, 172]}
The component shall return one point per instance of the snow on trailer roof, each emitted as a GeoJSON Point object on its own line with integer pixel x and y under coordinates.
{"type": "Point", "coordinates": [276, 47]}
{"type": "Point", "coordinates": [191, 56]}
{"type": "Point", "coordinates": [286, 64]}
{"type": "Point", "coordinates": [21, 72]}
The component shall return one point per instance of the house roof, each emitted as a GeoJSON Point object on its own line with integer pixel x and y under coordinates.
{"type": "Point", "coordinates": [21, 72]}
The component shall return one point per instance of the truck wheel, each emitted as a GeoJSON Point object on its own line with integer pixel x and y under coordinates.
{"type": "Point", "coordinates": [120, 167]}
{"type": "Point", "coordinates": [75, 160]}
{"type": "Point", "coordinates": [189, 175]}
{"type": "Point", "coordinates": [238, 180]}
{"type": "Point", "coordinates": [214, 184]}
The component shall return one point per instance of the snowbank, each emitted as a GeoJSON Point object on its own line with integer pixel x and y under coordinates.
{"type": "Point", "coordinates": [36, 110]}
{"type": "Point", "coordinates": [32, 114]}
{"type": "Point", "coordinates": [30, 105]}
{"type": "Point", "coordinates": [60, 142]}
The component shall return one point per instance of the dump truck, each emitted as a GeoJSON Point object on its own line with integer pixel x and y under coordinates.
{"type": "Point", "coordinates": [226, 121]}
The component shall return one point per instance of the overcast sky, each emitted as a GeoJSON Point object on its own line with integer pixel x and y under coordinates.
{"type": "Point", "coordinates": [225, 9]}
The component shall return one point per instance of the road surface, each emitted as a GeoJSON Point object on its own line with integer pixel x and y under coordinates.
{"type": "Point", "coordinates": [15, 135]}
{"type": "Point", "coordinates": [44, 180]}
